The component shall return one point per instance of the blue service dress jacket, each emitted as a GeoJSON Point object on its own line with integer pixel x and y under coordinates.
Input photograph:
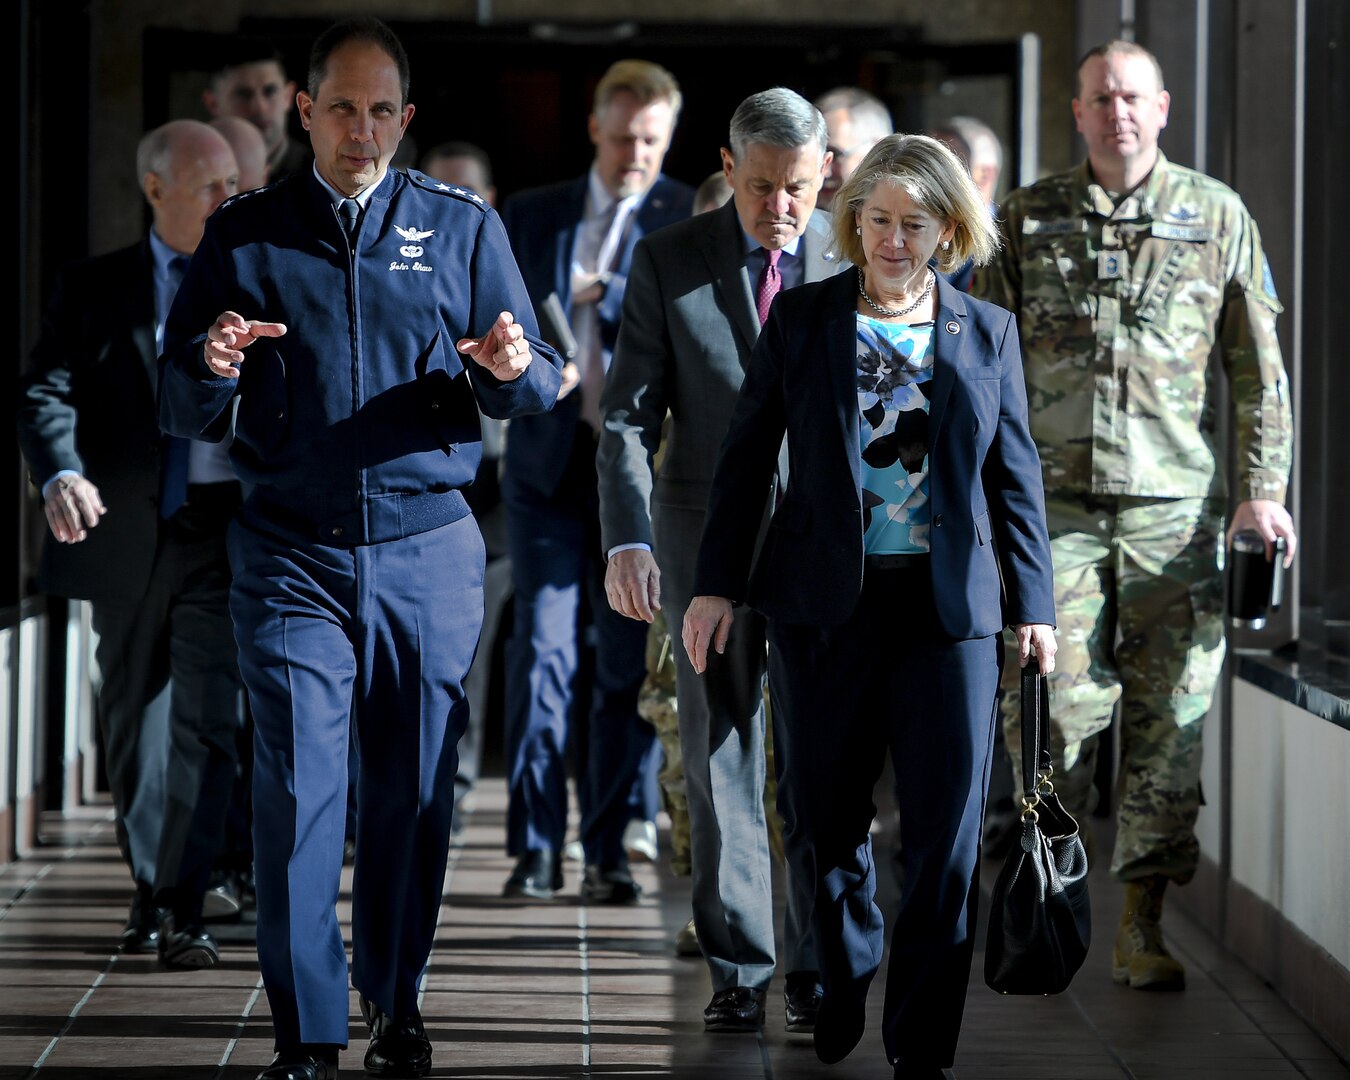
{"type": "Point", "coordinates": [989, 545]}
{"type": "Point", "coordinates": [359, 424]}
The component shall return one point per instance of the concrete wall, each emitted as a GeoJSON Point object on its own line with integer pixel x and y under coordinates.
{"type": "Point", "coordinates": [1287, 897]}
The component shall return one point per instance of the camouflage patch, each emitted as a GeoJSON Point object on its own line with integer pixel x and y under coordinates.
{"type": "Point", "coordinates": [1268, 279]}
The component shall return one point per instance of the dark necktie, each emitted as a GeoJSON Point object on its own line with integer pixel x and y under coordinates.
{"type": "Point", "coordinates": [770, 281]}
{"type": "Point", "coordinates": [173, 469]}
{"type": "Point", "coordinates": [350, 212]}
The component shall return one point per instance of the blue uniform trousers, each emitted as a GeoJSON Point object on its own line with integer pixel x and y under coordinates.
{"type": "Point", "coordinates": [887, 678]}
{"type": "Point", "coordinates": [383, 634]}
{"type": "Point", "coordinates": [556, 563]}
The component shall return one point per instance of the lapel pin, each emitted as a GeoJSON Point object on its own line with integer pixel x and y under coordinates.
{"type": "Point", "coordinates": [953, 327]}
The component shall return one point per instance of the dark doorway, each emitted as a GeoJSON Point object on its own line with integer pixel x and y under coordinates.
{"type": "Point", "coordinates": [522, 91]}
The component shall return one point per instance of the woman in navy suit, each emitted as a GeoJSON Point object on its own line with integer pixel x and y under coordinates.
{"type": "Point", "coordinates": [910, 532]}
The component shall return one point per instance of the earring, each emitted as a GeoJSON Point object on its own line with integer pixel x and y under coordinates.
{"type": "Point", "coordinates": [946, 245]}
{"type": "Point", "coordinates": [858, 229]}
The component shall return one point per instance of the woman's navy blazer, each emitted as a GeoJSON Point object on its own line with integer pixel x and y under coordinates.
{"type": "Point", "coordinates": [989, 545]}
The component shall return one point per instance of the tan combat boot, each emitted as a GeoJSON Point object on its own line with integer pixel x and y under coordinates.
{"type": "Point", "coordinates": [686, 941]}
{"type": "Point", "coordinates": [1140, 959]}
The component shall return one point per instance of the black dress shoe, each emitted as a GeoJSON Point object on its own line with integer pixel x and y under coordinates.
{"type": "Point", "coordinates": [191, 947]}
{"type": "Point", "coordinates": [538, 875]}
{"type": "Point", "coordinates": [612, 886]}
{"type": "Point", "coordinates": [840, 1022]}
{"type": "Point", "coordinates": [398, 1048]}
{"type": "Point", "coordinates": [141, 933]}
{"type": "Point", "coordinates": [303, 1063]}
{"type": "Point", "coordinates": [801, 1001]}
{"type": "Point", "coordinates": [737, 1009]}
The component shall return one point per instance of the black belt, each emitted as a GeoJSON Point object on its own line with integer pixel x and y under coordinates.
{"type": "Point", "coordinates": [895, 562]}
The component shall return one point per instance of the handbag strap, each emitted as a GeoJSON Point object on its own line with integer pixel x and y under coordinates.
{"type": "Point", "coordinates": [1036, 764]}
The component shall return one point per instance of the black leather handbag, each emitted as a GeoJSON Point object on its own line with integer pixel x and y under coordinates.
{"type": "Point", "coordinates": [1040, 922]}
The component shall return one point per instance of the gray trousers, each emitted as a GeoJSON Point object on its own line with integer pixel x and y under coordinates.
{"type": "Point", "coordinates": [721, 717]}
{"type": "Point", "coordinates": [169, 707]}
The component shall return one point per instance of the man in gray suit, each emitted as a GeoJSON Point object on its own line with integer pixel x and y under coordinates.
{"type": "Point", "coordinates": [154, 569]}
{"type": "Point", "coordinates": [698, 292]}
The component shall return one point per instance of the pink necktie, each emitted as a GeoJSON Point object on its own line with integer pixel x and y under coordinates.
{"type": "Point", "coordinates": [770, 281]}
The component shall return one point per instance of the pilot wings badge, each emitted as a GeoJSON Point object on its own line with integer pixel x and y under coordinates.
{"type": "Point", "coordinates": [412, 249]}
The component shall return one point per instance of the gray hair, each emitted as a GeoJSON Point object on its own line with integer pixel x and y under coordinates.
{"type": "Point", "coordinates": [867, 111]}
{"type": "Point", "coordinates": [979, 136]}
{"type": "Point", "coordinates": [157, 147]}
{"type": "Point", "coordinates": [154, 151]}
{"type": "Point", "coordinates": [778, 117]}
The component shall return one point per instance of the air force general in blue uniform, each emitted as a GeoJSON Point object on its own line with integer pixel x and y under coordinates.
{"type": "Point", "coordinates": [358, 567]}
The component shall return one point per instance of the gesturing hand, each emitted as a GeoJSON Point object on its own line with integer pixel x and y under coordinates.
{"type": "Point", "coordinates": [229, 336]}
{"type": "Point", "coordinates": [503, 350]}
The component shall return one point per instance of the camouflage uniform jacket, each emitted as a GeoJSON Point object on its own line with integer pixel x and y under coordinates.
{"type": "Point", "coordinates": [1120, 306]}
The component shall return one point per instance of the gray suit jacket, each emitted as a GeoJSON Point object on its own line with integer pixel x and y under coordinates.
{"type": "Point", "coordinates": [689, 326]}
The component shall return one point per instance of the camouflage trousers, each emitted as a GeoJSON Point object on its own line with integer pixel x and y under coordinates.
{"type": "Point", "coordinates": [1139, 610]}
{"type": "Point", "coordinates": [657, 705]}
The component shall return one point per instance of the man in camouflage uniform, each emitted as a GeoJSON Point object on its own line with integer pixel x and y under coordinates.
{"type": "Point", "coordinates": [1126, 273]}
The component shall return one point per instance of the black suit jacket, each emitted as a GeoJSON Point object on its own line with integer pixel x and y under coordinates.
{"type": "Point", "coordinates": [542, 226]}
{"type": "Point", "coordinates": [87, 403]}
{"type": "Point", "coordinates": [990, 548]}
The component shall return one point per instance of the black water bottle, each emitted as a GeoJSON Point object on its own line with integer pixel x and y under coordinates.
{"type": "Point", "coordinates": [1255, 583]}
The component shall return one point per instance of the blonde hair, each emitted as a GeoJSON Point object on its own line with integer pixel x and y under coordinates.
{"type": "Point", "coordinates": [931, 175]}
{"type": "Point", "coordinates": [646, 81]}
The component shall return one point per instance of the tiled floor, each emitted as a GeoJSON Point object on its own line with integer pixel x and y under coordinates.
{"type": "Point", "coordinates": [561, 990]}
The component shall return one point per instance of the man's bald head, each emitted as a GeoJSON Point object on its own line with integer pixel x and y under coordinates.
{"type": "Point", "coordinates": [250, 150]}
{"type": "Point", "coordinates": [975, 143]}
{"type": "Point", "coordinates": [187, 169]}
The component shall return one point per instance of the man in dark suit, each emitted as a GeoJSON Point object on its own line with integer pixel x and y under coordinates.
{"type": "Point", "coordinates": [155, 568]}
{"type": "Point", "coordinates": [697, 295]}
{"type": "Point", "coordinates": [251, 83]}
{"type": "Point", "coordinates": [359, 316]}
{"type": "Point", "coordinates": [575, 242]}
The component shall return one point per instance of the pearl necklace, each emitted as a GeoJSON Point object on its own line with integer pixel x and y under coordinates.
{"type": "Point", "coordinates": [927, 292]}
